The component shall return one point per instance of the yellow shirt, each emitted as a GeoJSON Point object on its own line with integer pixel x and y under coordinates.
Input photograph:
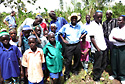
{"type": "Point", "coordinates": [33, 61]}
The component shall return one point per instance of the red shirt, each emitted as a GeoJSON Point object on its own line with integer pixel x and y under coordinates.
{"type": "Point", "coordinates": [44, 26]}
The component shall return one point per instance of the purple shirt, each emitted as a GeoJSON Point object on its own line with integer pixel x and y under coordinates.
{"type": "Point", "coordinates": [9, 62]}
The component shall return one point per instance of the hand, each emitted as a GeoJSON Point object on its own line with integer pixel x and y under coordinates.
{"type": "Point", "coordinates": [21, 33]}
{"type": "Point", "coordinates": [65, 41]}
{"type": "Point", "coordinates": [98, 49]}
{"type": "Point", "coordinates": [114, 38]}
{"type": "Point", "coordinates": [2, 81]}
{"type": "Point", "coordinates": [33, 32]}
{"type": "Point", "coordinates": [85, 53]}
{"type": "Point", "coordinates": [26, 74]}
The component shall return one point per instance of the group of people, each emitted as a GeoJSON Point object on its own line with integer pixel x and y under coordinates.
{"type": "Point", "coordinates": [39, 51]}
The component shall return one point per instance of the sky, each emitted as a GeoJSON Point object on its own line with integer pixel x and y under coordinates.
{"type": "Point", "coordinates": [48, 4]}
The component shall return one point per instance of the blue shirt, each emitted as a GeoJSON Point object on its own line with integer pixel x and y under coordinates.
{"type": "Point", "coordinates": [73, 33]}
{"type": "Point", "coordinates": [11, 20]}
{"type": "Point", "coordinates": [9, 62]}
{"type": "Point", "coordinates": [25, 44]}
{"type": "Point", "coordinates": [59, 23]}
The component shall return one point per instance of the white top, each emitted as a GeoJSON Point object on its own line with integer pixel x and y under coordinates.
{"type": "Point", "coordinates": [88, 29]}
{"type": "Point", "coordinates": [97, 32]}
{"type": "Point", "coordinates": [118, 33]}
{"type": "Point", "coordinates": [27, 21]}
{"type": "Point", "coordinates": [15, 43]}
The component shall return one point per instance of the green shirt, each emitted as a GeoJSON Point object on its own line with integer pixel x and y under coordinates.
{"type": "Point", "coordinates": [54, 58]}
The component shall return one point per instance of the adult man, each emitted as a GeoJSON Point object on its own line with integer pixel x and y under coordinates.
{"type": "Point", "coordinates": [99, 46]}
{"type": "Point", "coordinates": [31, 23]}
{"type": "Point", "coordinates": [73, 32]}
{"type": "Point", "coordinates": [108, 25]}
{"type": "Point", "coordinates": [11, 20]}
{"type": "Point", "coordinates": [117, 36]}
{"type": "Point", "coordinates": [59, 21]}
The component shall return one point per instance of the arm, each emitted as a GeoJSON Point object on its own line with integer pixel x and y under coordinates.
{"type": "Point", "coordinates": [20, 40]}
{"type": "Point", "coordinates": [94, 43]}
{"type": "Point", "coordinates": [119, 39]}
{"type": "Point", "coordinates": [5, 22]}
{"type": "Point", "coordinates": [38, 39]}
{"type": "Point", "coordinates": [65, 41]}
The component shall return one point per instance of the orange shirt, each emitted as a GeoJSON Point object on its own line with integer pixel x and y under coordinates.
{"type": "Point", "coordinates": [33, 61]}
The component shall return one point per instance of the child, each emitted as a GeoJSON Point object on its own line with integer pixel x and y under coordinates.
{"type": "Point", "coordinates": [53, 29]}
{"type": "Point", "coordinates": [43, 39]}
{"type": "Point", "coordinates": [10, 63]}
{"type": "Point", "coordinates": [85, 47]}
{"type": "Point", "coordinates": [32, 60]}
{"type": "Point", "coordinates": [54, 59]}
{"type": "Point", "coordinates": [45, 33]}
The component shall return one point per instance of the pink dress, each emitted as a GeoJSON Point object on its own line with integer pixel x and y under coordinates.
{"type": "Point", "coordinates": [83, 49]}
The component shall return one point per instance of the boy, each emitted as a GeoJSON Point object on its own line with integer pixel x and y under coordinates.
{"type": "Point", "coordinates": [45, 33]}
{"type": "Point", "coordinates": [9, 60]}
{"type": "Point", "coordinates": [43, 39]}
{"type": "Point", "coordinates": [54, 59]}
{"type": "Point", "coordinates": [32, 60]}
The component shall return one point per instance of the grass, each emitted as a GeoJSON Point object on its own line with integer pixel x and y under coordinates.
{"type": "Point", "coordinates": [88, 79]}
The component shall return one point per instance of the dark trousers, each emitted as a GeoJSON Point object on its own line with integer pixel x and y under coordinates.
{"type": "Point", "coordinates": [118, 62]}
{"type": "Point", "coordinates": [99, 64]}
{"type": "Point", "coordinates": [108, 50]}
{"type": "Point", "coordinates": [70, 51]}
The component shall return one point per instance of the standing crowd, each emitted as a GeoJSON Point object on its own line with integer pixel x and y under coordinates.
{"type": "Point", "coordinates": [38, 50]}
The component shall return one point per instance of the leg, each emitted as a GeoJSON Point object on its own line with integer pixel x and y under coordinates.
{"type": "Point", "coordinates": [97, 65]}
{"type": "Point", "coordinates": [77, 55]}
{"type": "Point", "coordinates": [121, 63]}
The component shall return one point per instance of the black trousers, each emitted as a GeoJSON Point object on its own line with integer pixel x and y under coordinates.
{"type": "Point", "coordinates": [99, 64]}
{"type": "Point", "coordinates": [118, 62]}
{"type": "Point", "coordinates": [70, 51]}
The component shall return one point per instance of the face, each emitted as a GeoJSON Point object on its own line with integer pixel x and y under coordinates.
{"type": "Point", "coordinates": [73, 20]}
{"type": "Point", "coordinates": [88, 18]}
{"type": "Point", "coordinates": [37, 21]}
{"type": "Point", "coordinates": [98, 17]}
{"type": "Point", "coordinates": [46, 33]}
{"type": "Point", "coordinates": [32, 43]}
{"type": "Point", "coordinates": [53, 29]}
{"type": "Point", "coordinates": [13, 34]}
{"type": "Point", "coordinates": [26, 33]}
{"type": "Point", "coordinates": [13, 14]}
{"type": "Point", "coordinates": [5, 39]}
{"type": "Point", "coordinates": [52, 16]}
{"type": "Point", "coordinates": [51, 38]}
{"type": "Point", "coordinates": [108, 15]}
{"type": "Point", "coordinates": [38, 30]}
{"type": "Point", "coordinates": [121, 22]}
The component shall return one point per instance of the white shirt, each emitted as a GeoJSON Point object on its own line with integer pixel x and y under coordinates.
{"type": "Point", "coordinates": [88, 29]}
{"type": "Point", "coordinates": [118, 33]}
{"type": "Point", "coordinates": [97, 32]}
{"type": "Point", "coordinates": [27, 21]}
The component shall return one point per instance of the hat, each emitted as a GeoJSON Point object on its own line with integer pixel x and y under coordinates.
{"type": "Point", "coordinates": [73, 14]}
{"type": "Point", "coordinates": [3, 33]}
{"type": "Point", "coordinates": [26, 27]}
{"type": "Point", "coordinates": [38, 16]}
{"type": "Point", "coordinates": [123, 15]}
{"type": "Point", "coordinates": [109, 11]}
{"type": "Point", "coordinates": [53, 24]}
{"type": "Point", "coordinates": [52, 12]}
{"type": "Point", "coordinates": [3, 29]}
{"type": "Point", "coordinates": [99, 11]}
{"type": "Point", "coordinates": [79, 16]}
{"type": "Point", "coordinates": [32, 36]}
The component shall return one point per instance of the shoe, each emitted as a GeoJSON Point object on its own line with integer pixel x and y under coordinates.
{"type": "Point", "coordinates": [111, 78]}
{"type": "Point", "coordinates": [97, 82]}
{"type": "Point", "coordinates": [76, 73]}
{"type": "Point", "coordinates": [123, 82]}
{"type": "Point", "coordinates": [66, 77]}
{"type": "Point", "coordinates": [102, 78]}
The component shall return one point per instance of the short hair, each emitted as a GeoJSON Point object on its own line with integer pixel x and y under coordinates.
{"type": "Point", "coordinates": [123, 17]}
{"type": "Point", "coordinates": [12, 11]}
